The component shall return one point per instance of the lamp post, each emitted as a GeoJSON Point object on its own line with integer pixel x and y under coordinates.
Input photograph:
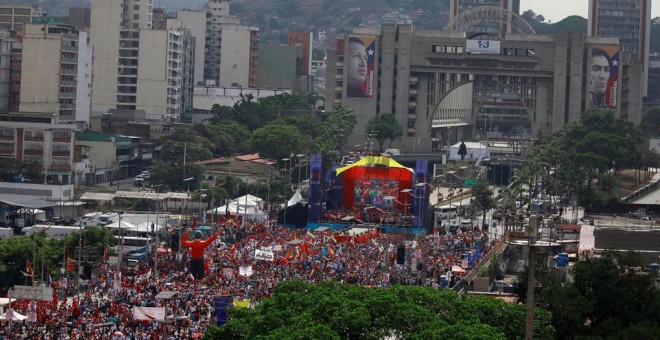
{"type": "Point", "coordinates": [201, 212]}
{"type": "Point", "coordinates": [286, 202]}
{"type": "Point", "coordinates": [187, 181]}
{"type": "Point", "coordinates": [157, 187]}
{"type": "Point", "coordinates": [298, 158]}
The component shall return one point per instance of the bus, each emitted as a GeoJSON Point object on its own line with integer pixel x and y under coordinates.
{"type": "Point", "coordinates": [134, 245]}
{"type": "Point", "coordinates": [446, 212]}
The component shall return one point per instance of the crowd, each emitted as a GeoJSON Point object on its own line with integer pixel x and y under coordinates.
{"type": "Point", "coordinates": [103, 306]}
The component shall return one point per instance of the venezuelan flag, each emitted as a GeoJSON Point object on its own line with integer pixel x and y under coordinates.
{"type": "Point", "coordinates": [374, 243]}
{"type": "Point", "coordinates": [310, 235]}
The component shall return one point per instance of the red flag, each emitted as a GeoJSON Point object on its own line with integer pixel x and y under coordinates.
{"type": "Point", "coordinates": [105, 253]}
{"type": "Point", "coordinates": [69, 262]}
{"type": "Point", "coordinates": [28, 270]}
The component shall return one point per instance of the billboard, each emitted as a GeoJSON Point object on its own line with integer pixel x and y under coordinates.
{"type": "Point", "coordinates": [373, 191]}
{"type": "Point", "coordinates": [604, 77]}
{"type": "Point", "coordinates": [482, 46]}
{"type": "Point", "coordinates": [359, 57]}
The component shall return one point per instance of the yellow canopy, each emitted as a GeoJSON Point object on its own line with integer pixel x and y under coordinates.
{"type": "Point", "coordinates": [374, 161]}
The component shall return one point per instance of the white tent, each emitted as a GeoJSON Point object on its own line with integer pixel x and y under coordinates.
{"type": "Point", "coordinates": [247, 205]}
{"type": "Point", "coordinates": [16, 316]}
{"type": "Point", "coordinates": [296, 198]}
{"type": "Point", "coordinates": [125, 226]}
{"type": "Point", "coordinates": [474, 151]}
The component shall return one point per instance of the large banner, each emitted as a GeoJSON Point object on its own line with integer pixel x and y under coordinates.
{"type": "Point", "coordinates": [604, 80]}
{"type": "Point", "coordinates": [359, 57]}
{"type": "Point", "coordinates": [373, 191]}
{"type": "Point", "coordinates": [263, 255]}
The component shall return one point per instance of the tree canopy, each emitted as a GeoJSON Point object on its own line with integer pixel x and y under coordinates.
{"type": "Point", "coordinates": [583, 158]}
{"type": "Point", "coordinates": [610, 297]}
{"type": "Point", "coordinates": [384, 128]}
{"type": "Point", "coordinates": [332, 310]}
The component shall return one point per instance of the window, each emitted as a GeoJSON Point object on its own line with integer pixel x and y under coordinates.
{"type": "Point", "coordinates": [136, 17]}
{"type": "Point", "coordinates": [520, 52]}
{"type": "Point", "coordinates": [530, 52]}
{"type": "Point", "coordinates": [136, 7]}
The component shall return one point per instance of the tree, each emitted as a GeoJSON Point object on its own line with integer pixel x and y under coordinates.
{"type": "Point", "coordinates": [32, 171]}
{"type": "Point", "coordinates": [333, 310]}
{"type": "Point", "coordinates": [171, 177]}
{"type": "Point", "coordinates": [8, 169]}
{"type": "Point", "coordinates": [651, 119]}
{"type": "Point", "coordinates": [277, 141]}
{"type": "Point", "coordinates": [384, 127]}
{"type": "Point", "coordinates": [483, 199]}
{"type": "Point", "coordinates": [610, 297]}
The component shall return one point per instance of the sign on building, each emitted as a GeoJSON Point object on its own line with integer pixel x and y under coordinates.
{"type": "Point", "coordinates": [483, 46]}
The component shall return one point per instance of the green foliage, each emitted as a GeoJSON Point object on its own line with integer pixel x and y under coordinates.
{"type": "Point", "coordinates": [32, 171]}
{"type": "Point", "coordinates": [580, 159]}
{"type": "Point", "coordinates": [171, 177]}
{"type": "Point", "coordinates": [336, 128]}
{"type": "Point", "coordinates": [483, 198]}
{"type": "Point", "coordinates": [385, 127]}
{"type": "Point", "coordinates": [651, 117]}
{"type": "Point", "coordinates": [332, 310]}
{"type": "Point", "coordinates": [15, 251]}
{"type": "Point", "coordinates": [610, 297]}
{"type": "Point", "coordinates": [277, 141]}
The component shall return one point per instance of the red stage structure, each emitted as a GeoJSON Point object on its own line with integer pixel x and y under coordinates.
{"type": "Point", "coordinates": [376, 181]}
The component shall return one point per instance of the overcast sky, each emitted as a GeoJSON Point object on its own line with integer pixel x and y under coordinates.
{"type": "Point", "coordinates": [556, 10]}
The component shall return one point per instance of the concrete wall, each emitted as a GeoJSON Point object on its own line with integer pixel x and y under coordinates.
{"type": "Point", "coordinates": [235, 56]}
{"type": "Point", "coordinates": [84, 79]}
{"type": "Point", "coordinates": [40, 71]}
{"type": "Point", "coordinates": [206, 97]}
{"type": "Point", "coordinates": [152, 73]}
{"type": "Point", "coordinates": [277, 67]}
{"type": "Point", "coordinates": [104, 39]}
{"type": "Point", "coordinates": [196, 22]}
{"type": "Point", "coordinates": [27, 191]}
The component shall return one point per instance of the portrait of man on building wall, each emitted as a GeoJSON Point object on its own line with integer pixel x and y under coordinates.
{"type": "Point", "coordinates": [359, 55]}
{"type": "Point", "coordinates": [604, 77]}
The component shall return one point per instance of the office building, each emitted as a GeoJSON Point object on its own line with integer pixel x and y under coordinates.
{"type": "Point", "coordinates": [15, 16]}
{"type": "Point", "coordinates": [444, 87]}
{"type": "Point", "coordinates": [80, 17]}
{"type": "Point", "coordinates": [57, 76]}
{"type": "Point", "coordinates": [628, 20]}
{"type": "Point", "coordinates": [6, 45]}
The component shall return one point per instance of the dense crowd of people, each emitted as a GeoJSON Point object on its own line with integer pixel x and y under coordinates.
{"type": "Point", "coordinates": [104, 306]}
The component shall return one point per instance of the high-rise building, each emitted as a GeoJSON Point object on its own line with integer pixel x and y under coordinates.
{"type": "Point", "coordinates": [6, 45]}
{"type": "Point", "coordinates": [232, 50]}
{"type": "Point", "coordinates": [14, 16]}
{"type": "Point", "coordinates": [57, 76]}
{"type": "Point", "coordinates": [457, 7]}
{"type": "Point", "coordinates": [138, 67]}
{"type": "Point", "coordinates": [628, 20]}
{"type": "Point", "coordinates": [195, 22]}
{"type": "Point", "coordinates": [159, 19]}
{"type": "Point", "coordinates": [80, 17]}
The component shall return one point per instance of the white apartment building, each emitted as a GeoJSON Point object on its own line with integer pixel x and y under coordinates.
{"type": "Point", "coordinates": [136, 67]}
{"type": "Point", "coordinates": [56, 77]}
{"type": "Point", "coordinates": [230, 51]}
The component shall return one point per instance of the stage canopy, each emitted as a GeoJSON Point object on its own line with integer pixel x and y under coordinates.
{"type": "Point", "coordinates": [376, 181]}
{"type": "Point", "coordinates": [247, 205]}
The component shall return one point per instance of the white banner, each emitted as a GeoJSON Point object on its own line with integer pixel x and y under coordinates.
{"type": "Point", "coordinates": [149, 313]}
{"type": "Point", "coordinates": [245, 271]}
{"type": "Point", "coordinates": [263, 255]}
{"type": "Point", "coordinates": [482, 46]}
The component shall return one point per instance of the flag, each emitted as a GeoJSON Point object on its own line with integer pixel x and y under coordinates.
{"type": "Point", "coordinates": [69, 261]}
{"type": "Point", "coordinates": [331, 250]}
{"type": "Point", "coordinates": [105, 253]}
{"type": "Point", "coordinates": [28, 270]}
{"type": "Point", "coordinates": [310, 235]}
{"type": "Point", "coordinates": [49, 279]}
{"type": "Point", "coordinates": [374, 243]}
{"type": "Point", "coordinates": [334, 239]}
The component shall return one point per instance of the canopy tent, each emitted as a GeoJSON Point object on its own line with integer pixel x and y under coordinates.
{"type": "Point", "coordinates": [371, 179]}
{"type": "Point", "coordinates": [295, 199]}
{"type": "Point", "coordinates": [247, 205]}
{"type": "Point", "coordinates": [474, 151]}
{"type": "Point", "coordinates": [16, 316]}
{"type": "Point", "coordinates": [125, 226]}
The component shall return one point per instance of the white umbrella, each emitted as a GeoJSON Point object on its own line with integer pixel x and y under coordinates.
{"type": "Point", "coordinates": [13, 316]}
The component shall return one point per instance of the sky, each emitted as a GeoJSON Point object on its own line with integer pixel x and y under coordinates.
{"type": "Point", "coordinates": [556, 10]}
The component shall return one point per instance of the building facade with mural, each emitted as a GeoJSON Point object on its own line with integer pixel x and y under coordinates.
{"type": "Point", "coordinates": [445, 87]}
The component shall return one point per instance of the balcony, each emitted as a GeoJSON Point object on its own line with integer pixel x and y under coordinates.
{"type": "Point", "coordinates": [65, 139]}
{"type": "Point", "coordinates": [33, 152]}
{"type": "Point", "coordinates": [61, 153]}
{"type": "Point", "coordinates": [7, 138]}
{"type": "Point", "coordinates": [38, 138]}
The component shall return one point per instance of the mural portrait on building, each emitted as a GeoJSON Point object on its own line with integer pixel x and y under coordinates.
{"type": "Point", "coordinates": [604, 80]}
{"type": "Point", "coordinates": [359, 57]}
